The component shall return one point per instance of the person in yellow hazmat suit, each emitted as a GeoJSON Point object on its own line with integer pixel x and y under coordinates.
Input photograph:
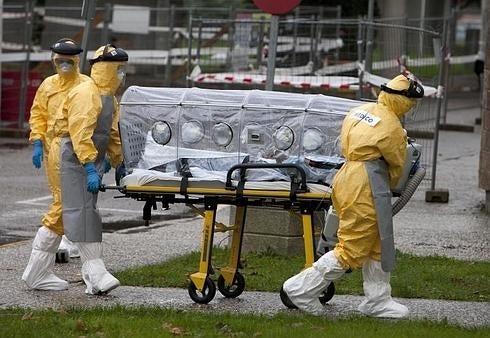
{"type": "Point", "coordinates": [373, 143]}
{"type": "Point", "coordinates": [49, 96]}
{"type": "Point", "coordinates": [91, 113]}
{"type": "Point", "coordinates": [87, 126]}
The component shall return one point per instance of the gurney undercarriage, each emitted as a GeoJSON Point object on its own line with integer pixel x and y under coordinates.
{"type": "Point", "coordinates": [300, 199]}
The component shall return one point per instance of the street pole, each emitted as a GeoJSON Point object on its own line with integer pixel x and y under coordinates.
{"type": "Point", "coordinates": [29, 14]}
{"type": "Point", "coordinates": [271, 53]}
{"type": "Point", "coordinates": [88, 12]}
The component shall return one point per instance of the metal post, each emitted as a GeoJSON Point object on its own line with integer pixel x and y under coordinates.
{"type": "Point", "coordinates": [231, 33]}
{"type": "Point", "coordinates": [271, 55]}
{"type": "Point", "coordinates": [369, 39]}
{"type": "Point", "coordinates": [199, 39]}
{"type": "Point", "coordinates": [295, 34]}
{"type": "Point", "coordinates": [260, 45]}
{"type": "Point", "coordinates": [360, 48]}
{"type": "Point", "coordinates": [312, 37]}
{"type": "Point", "coordinates": [107, 21]}
{"type": "Point", "coordinates": [422, 25]}
{"type": "Point", "coordinates": [29, 14]}
{"type": "Point", "coordinates": [88, 12]}
{"type": "Point", "coordinates": [441, 94]}
{"type": "Point", "coordinates": [447, 63]}
{"type": "Point", "coordinates": [168, 67]}
{"type": "Point", "coordinates": [337, 32]}
{"type": "Point", "coordinates": [318, 37]}
{"type": "Point", "coordinates": [1, 35]}
{"type": "Point", "coordinates": [189, 49]}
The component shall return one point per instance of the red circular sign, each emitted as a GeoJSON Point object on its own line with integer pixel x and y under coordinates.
{"type": "Point", "coordinates": [277, 7]}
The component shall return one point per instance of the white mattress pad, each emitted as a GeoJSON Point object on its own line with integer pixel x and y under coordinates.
{"type": "Point", "coordinates": [206, 179]}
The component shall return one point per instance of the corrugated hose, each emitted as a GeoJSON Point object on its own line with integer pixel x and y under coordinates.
{"type": "Point", "coordinates": [409, 190]}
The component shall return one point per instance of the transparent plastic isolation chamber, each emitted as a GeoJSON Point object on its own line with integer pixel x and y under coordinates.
{"type": "Point", "coordinates": [187, 131]}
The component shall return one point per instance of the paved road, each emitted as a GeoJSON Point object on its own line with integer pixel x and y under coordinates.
{"type": "Point", "coordinates": [25, 197]}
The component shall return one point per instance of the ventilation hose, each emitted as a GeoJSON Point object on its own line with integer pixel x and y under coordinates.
{"type": "Point", "coordinates": [409, 190]}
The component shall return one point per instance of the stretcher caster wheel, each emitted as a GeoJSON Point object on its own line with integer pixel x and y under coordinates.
{"type": "Point", "coordinates": [285, 300]}
{"type": "Point", "coordinates": [233, 290]}
{"type": "Point", "coordinates": [62, 256]}
{"type": "Point", "coordinates": [207, 294]}
{"type": "Point", "coordinates": [328, 293]}
{"type": "Point", "coordinates": [324, 298]}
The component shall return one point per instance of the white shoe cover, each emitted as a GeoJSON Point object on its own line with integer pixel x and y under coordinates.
{"type": "Point", "coordinates": [94, 272]}
{"type": "Point", "coordinates": [305, 288]}
{"type": "Point", "coordinates": [377, 289]}
{"type": "Point", "coordinates": [69, 246]}
{"type": "Point", "coordinates": [38, 273]}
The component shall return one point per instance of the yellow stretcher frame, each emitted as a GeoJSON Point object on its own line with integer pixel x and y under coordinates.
{"type": "Point", "coordinates": [230, 282]}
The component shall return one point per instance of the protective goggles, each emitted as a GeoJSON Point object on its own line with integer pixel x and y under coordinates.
{"type": "Point", "coordinates": [114, 55]}
{"type": "Point", "coordinates": [59, 61]}
{"type": "Point", "coordinates": [415, 89]}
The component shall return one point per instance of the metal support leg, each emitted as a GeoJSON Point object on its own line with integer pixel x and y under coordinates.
{"type": "Point", "coordinates": [229, 271]}
{"type": "Point", "coordinates": [307, 222]}
{"type": "Point", "coordinates": [199, 278]}
{"type": "Point", "coordinates": [149, 204]}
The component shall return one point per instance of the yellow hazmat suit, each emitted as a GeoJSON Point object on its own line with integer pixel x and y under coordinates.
{"type": "Point", "coordinates": [79, 115]}
{"type": "Point", "coordinates": [374, 145]}
{"type": "Point", "coordinates": [38, 274]}
{"type": "Point", "coordinates": [363, 140]}
{"type": "Point", "coordinates": [49, 97]}
{"type": "Point", "coordinates": [91, 115]}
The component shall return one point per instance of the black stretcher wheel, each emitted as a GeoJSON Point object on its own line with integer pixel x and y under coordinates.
{"type": "Point", "coordinates": [207, 294]}
{"type": "Point", "coordinates": [324, 298]}
{"type": "Point", "coordinates": [327, 294]}
{"type": "Point", "coordinates": [285, 300]}
{"type": "Point", "coordinates": [62, 256]}
{"type": "Point", "coordinates": [233, 290]}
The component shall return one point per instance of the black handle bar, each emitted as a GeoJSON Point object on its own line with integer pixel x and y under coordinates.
{"type": "Point", "coordinates": [244, 166]}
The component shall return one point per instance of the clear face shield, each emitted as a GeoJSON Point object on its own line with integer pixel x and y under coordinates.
{"type": "Point", "coordinates": [121, 75]}
{"type": "Point", "coordinates": [411, 115]}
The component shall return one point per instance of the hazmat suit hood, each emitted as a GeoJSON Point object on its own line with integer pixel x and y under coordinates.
{"type": "Point", "coordinates": [104, 70]}
{"type": "Point", "coordinates": [66, 60]}
{"type": "Point", "coordinates": [399, 104]}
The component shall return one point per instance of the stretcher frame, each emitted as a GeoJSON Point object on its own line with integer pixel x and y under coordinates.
{"type": "Point", "coordinates": [231, 283]}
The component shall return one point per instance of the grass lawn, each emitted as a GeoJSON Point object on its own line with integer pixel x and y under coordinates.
{"type": "Point", "coordinates": [426, 277]}
{"type": "Point", "coordinates": [414, 277]}
{"type": "Point", "coordinates": [157, 322]}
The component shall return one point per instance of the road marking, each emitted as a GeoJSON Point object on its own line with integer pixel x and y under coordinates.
{"type": "Point", "coordinates": [35, 201]}
{"type": "Point", "coordinates": [25, 213]}
{"type": "Point", "coordinates": [38, 202]}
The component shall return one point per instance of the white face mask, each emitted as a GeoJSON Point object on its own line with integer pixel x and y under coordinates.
{"type": "Point", "coordinates": [65, 67]}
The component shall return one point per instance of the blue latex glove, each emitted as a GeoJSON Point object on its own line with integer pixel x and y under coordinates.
{"type": "Point", "coordinates": [37, 154]}
{"type": "Point", "coordinates": [107, 165]}
{"type": "Point", "coordinates": [93, 179]}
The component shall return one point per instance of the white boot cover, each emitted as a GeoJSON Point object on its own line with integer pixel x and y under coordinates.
{"type": "Point", "coordinates": [305, 288]}
{"type": "Point", "coordinates": [69, 246]}
{"type": "Point", "coordinates": [39, 271]}
{"type": "Point", "coordinates": [377, 289]}
{"type": "Point", "coordinates": [94, 273]}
